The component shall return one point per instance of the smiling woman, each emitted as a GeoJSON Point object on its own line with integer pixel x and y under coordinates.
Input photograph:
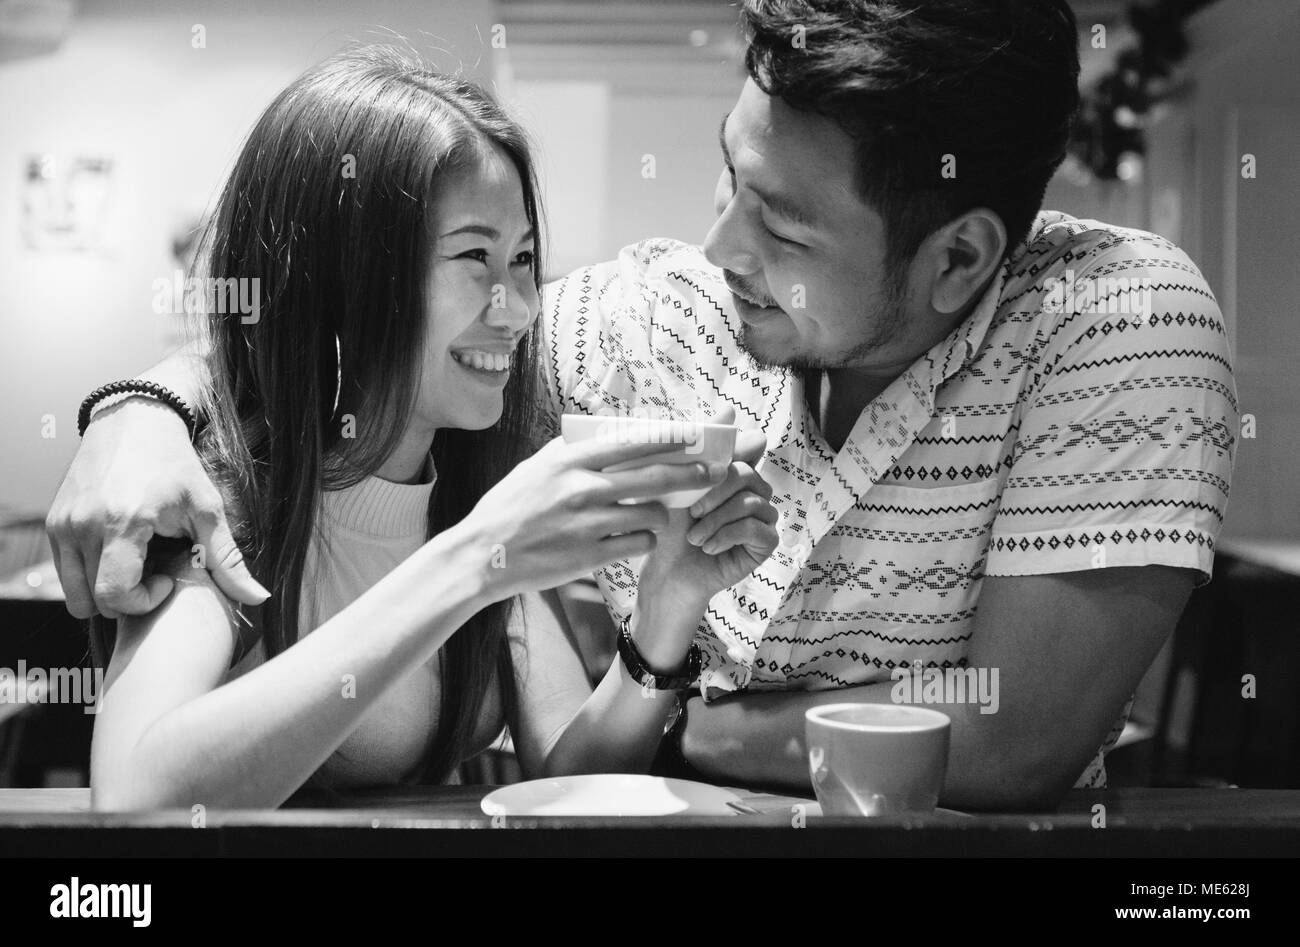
{"type": "Point", "coordinates": [345, 342]}
{"type": "Point", "coordinates": [362, 434]}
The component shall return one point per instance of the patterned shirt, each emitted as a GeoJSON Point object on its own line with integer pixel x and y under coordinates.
{"type": "Point", "coordinates": [1082, 416]}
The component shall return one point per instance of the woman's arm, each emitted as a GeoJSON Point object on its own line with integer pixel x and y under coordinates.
{"type": "Point", "coordinates": [563, 726]}
{"type": "Point", "coordinates": [168, 734]}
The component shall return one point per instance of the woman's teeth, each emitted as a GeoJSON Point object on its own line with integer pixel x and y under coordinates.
{"type": "Point", "coordinates": [483, 361]}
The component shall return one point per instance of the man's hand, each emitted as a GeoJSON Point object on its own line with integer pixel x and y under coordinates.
{"type": "Point", "coordinates": [135, 476]}
{"type": "Point", "coordinates": [725, 535]}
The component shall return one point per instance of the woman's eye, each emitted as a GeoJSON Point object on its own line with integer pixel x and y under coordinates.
{"type": "Point", "coordinates": [480, 255]}
{"type": "Point", "coordinates": [526, 258]}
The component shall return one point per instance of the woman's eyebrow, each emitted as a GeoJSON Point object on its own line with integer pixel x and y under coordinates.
{"type": "Point", "coordinates": [484, 230]}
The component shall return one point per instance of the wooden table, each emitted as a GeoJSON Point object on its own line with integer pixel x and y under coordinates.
{"type": "Point", "coordinates": [447, 820]}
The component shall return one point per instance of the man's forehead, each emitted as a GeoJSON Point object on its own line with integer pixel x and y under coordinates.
{"type": "Point", "coordinates": [803, 154]}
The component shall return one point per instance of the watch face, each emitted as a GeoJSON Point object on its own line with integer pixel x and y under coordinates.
{"type": "Point", "coordinates": [673, 715]}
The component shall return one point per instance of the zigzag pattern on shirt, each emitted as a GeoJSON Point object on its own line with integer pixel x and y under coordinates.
{"type": "Point", "coordinates": [1109, 505]}
{"type": "Point", "coordinates": [848, 632]}
{"type": "Point", "coordinates": [825, 675]}
{"type": "Point", "coordinates": [869, 507]}
{"type": "Point", "coordinates": [1046, 371]}
{"type": "Point", "coordinates": [554, 378]}
{"type": "Point", "coordinates": [865, 660]}
{"type": "Point", "coordinates": [963, 439]}
{"type": "Point", "coordinates": [783, 374]}
{"type": "Point", "coordinates": [726, 623]}
{"type": "Point", "coordinates": [741, 408]}
{"type": "Point", "coordinates": [1147, 354]}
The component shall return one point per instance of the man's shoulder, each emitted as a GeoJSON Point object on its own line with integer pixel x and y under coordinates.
{"type": "Point", "coordinates": [1059, 243]}
{"type": "Point", "coordinates": [642, 263]}
{"type": "Point", "coordinates": [1074, 278]}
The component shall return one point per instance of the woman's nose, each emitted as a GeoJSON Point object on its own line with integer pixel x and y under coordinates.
{"type": "Point", "coordinates": [511, 307]}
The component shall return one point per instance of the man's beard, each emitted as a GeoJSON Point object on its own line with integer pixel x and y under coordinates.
{"type": "Point", "coordinates": [888, 310]}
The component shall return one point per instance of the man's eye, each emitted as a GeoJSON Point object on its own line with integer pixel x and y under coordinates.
{"type": "Point", "coordinates": [780, 239]}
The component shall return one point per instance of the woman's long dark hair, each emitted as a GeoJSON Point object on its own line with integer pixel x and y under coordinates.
{"type": "Point", "coordinates": [329, 207]}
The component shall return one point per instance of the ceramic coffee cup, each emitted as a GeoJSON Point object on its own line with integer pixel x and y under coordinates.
{"type": "Point", "coordinates": [685, 442]}
{"type": "Point", "coordinates": [876, 759]}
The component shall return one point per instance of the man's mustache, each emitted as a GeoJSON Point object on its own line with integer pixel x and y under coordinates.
{"type": "Point", "coordinates": [741, 287]}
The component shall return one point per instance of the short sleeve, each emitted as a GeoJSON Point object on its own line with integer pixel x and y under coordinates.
{"type": "Point", "coordinates": [1127, 432]}
{"type": "Point", "coordinates": [546, 419]}
{"type": "Point", "coordinates": [651, 333]}
{"type": "Point", "coordinates": [579, 322]}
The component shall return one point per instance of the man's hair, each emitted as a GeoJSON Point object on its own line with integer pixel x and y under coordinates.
{"type": "Point", "coordinates": [993, 83]}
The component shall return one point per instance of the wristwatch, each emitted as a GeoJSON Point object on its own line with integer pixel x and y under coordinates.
{"type": "Point", "coordinates": [670, 758]}
{"type": "Point", "coordinates": [639, 672]}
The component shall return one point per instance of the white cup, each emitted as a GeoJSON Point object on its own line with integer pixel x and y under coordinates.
{"type": "Point", "coordinates": [685, 442]}
{"type": "Point", "coordinates": [876, 759]}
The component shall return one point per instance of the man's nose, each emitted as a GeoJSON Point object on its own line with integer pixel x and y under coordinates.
{"type": "Point", "coordinates": [728, 245]}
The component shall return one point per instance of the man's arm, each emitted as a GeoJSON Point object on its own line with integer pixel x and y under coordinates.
{"type": "Point", "coordinates": [1069, 650]}
{"type": "Point", "coordinates": [185, 371]}
{"type": "Point", "coordinates": [135, 476]}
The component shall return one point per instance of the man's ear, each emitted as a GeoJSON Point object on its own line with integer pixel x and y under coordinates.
{"type": "Point", "coordinates": [961, 256]}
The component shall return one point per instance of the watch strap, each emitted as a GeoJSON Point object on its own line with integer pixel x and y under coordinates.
{"type": "Point", "coordinates": [640, 672]}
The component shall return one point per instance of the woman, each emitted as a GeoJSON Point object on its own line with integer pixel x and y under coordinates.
{"type": "Point", "coordinates": [367, 428]}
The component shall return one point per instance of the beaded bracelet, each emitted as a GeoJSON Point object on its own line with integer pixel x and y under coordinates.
{"type": "Point", "coordinates": [150, 389]}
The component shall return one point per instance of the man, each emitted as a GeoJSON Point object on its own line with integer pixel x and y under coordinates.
{"type": "Point", "coordinates": [999, 440]}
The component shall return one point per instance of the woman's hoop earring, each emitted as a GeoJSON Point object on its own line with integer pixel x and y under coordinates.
{"type": "Point", "coordinates": [338, 379]}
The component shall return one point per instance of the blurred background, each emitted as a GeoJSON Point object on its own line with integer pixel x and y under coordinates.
{"type": "Point", "coordinates": [120, 118]}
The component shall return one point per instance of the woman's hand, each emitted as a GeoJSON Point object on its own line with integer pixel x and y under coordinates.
{"type": "Point", "coordinates": [557, 516]}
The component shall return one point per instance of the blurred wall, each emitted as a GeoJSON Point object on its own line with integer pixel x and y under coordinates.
{"type": "Point", "coordinates": [625, 101]}
{"type": "Point", "coordinates": [128, 85]}
{"type": "Point", "coordinates": [1244, 100]}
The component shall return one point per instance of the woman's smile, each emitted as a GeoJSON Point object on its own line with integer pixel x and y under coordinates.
{"type": "Point", "coordinates": [489, 365]}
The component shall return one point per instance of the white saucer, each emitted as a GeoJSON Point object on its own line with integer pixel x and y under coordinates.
{"type": "Point", "coordinates": [612, 794]}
